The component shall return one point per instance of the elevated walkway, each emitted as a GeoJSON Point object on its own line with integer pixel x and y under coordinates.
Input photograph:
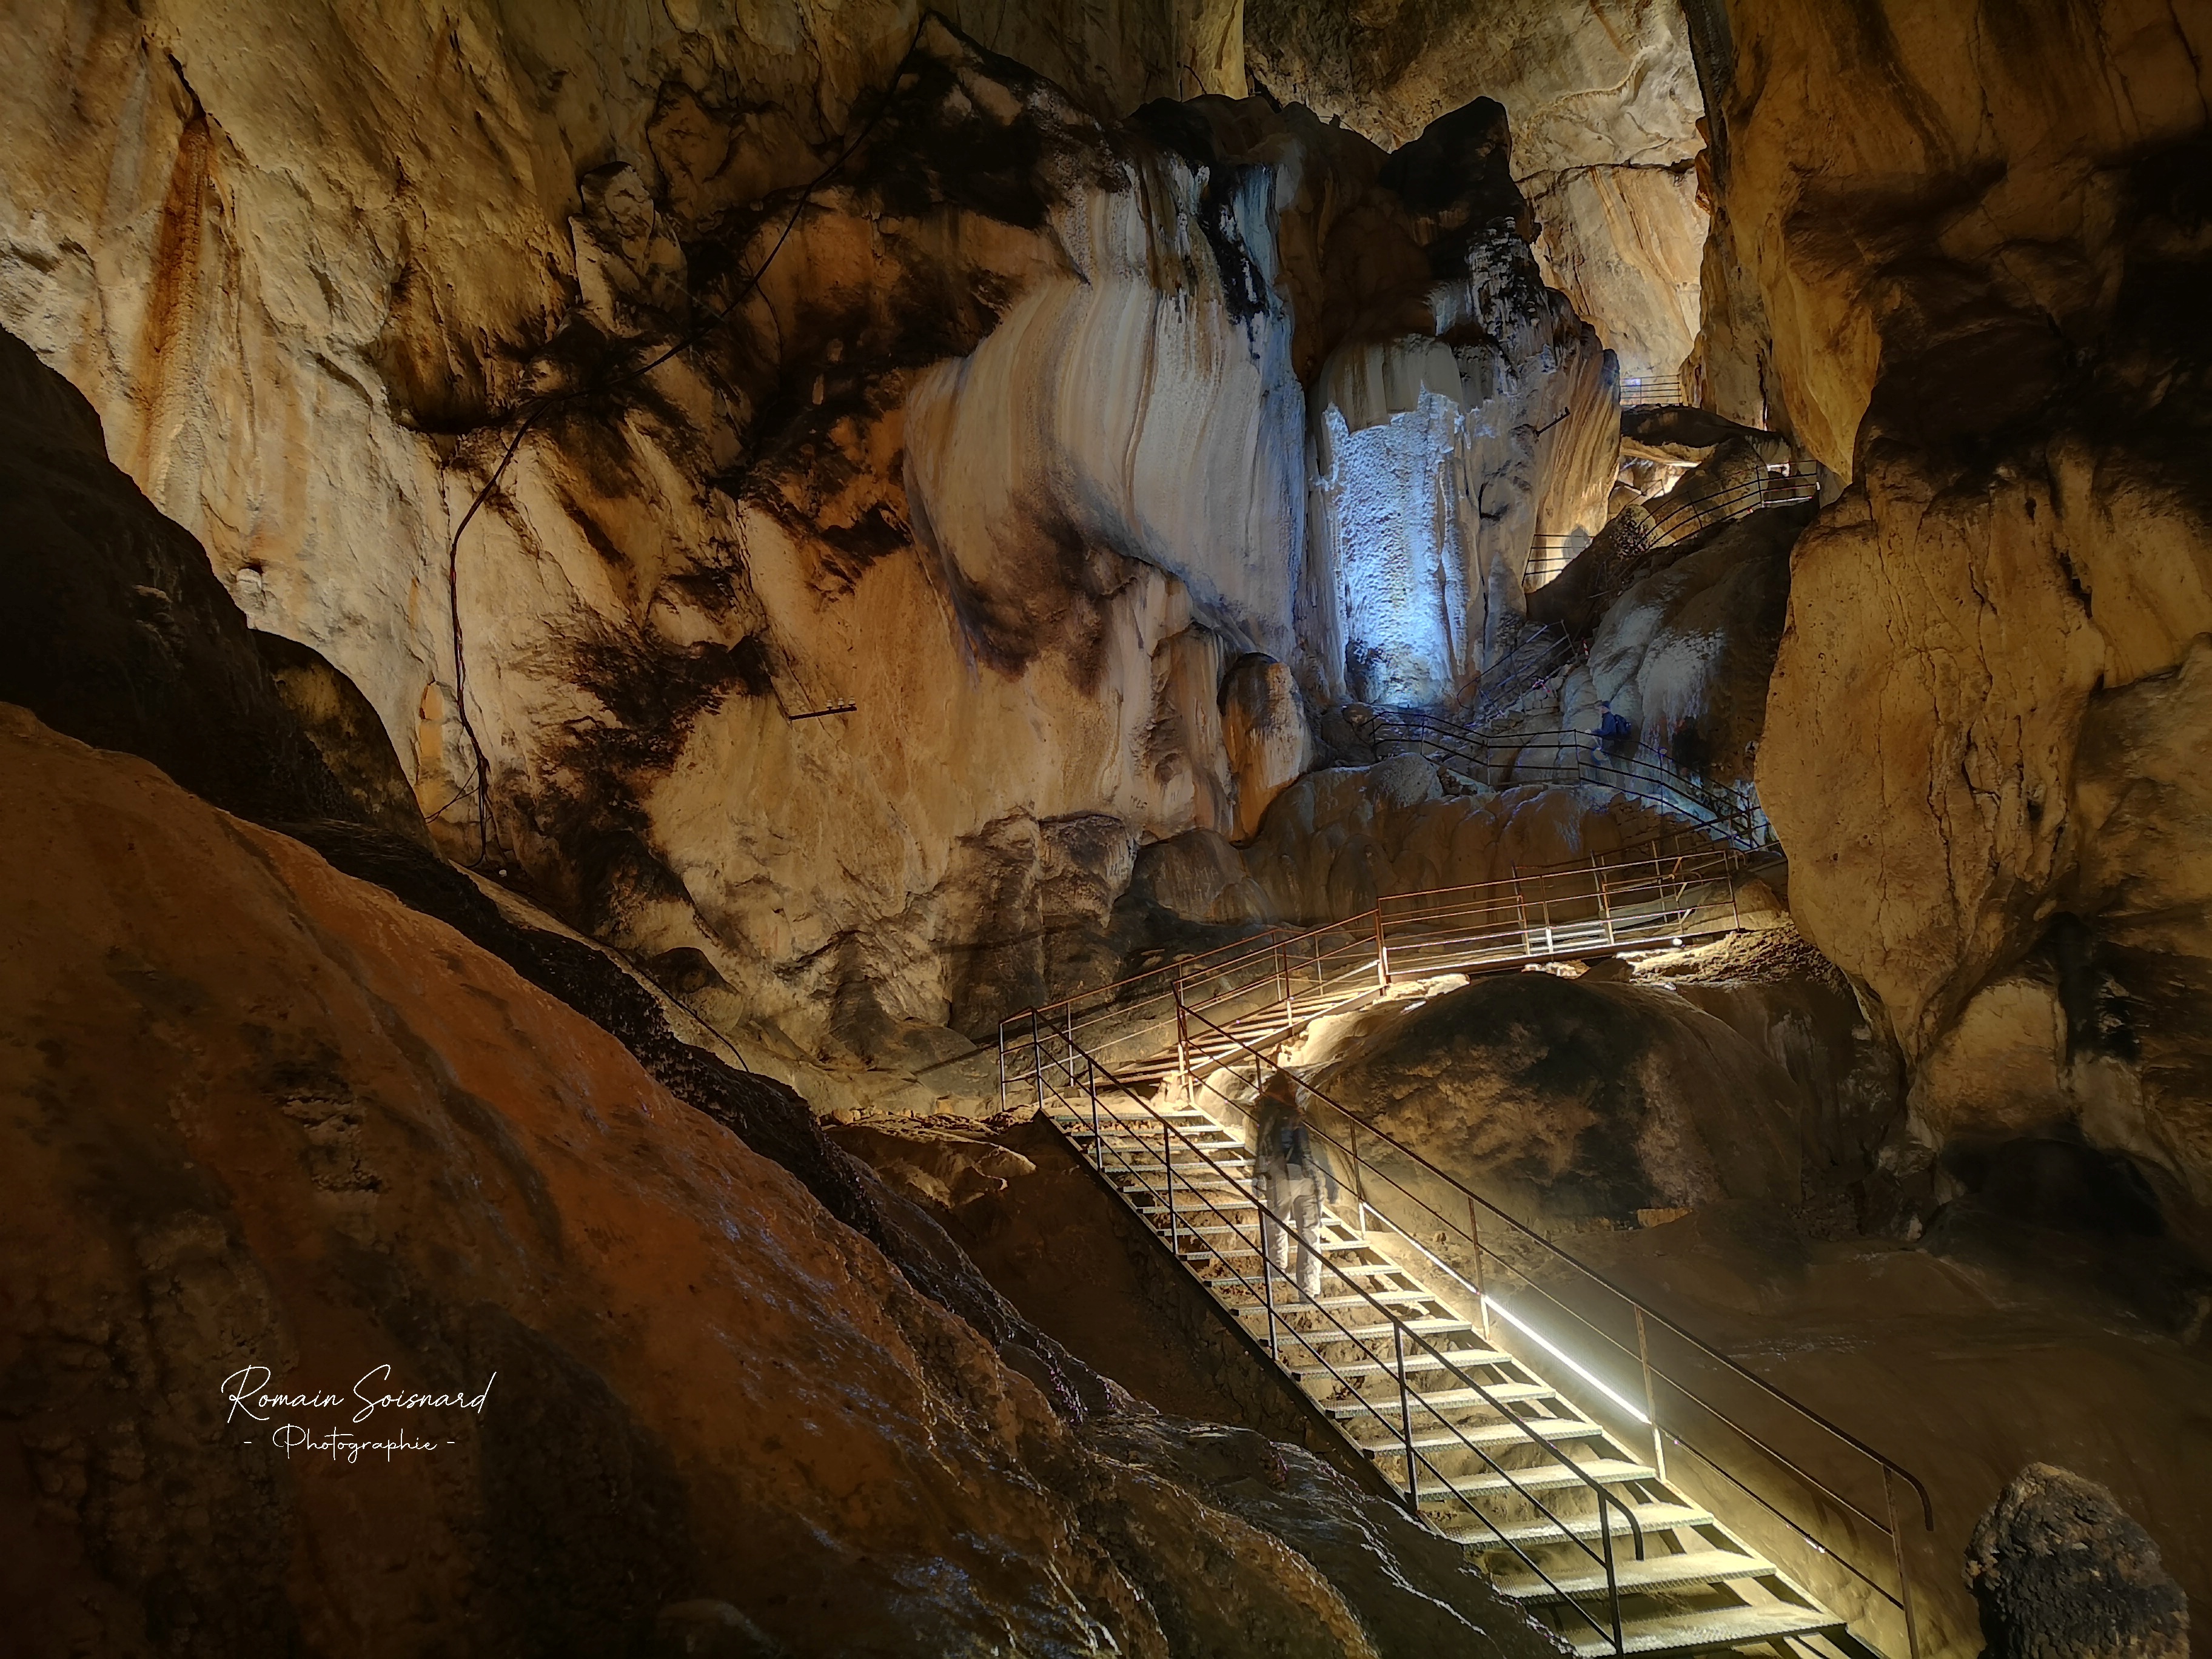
{"type": "Point", "coordinates": [1638, 1491]}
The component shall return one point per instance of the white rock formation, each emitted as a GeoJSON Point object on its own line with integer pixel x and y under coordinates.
{"type": "Point", "coordinates": [1007, 447]}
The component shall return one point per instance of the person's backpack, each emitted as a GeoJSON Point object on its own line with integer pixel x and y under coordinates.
{"type": "Point", "coordinates": [1296, 1148]}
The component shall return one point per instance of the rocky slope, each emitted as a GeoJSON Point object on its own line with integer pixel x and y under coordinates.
{"type": "Point", "coordinates": [746, 421]}
{"type": "Point", "coordinates": [260, 1115]}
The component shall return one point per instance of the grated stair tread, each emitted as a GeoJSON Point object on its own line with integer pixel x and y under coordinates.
{"type": "Point", "coordinates": [1652, 1517]}
{"type": "Point", "coordinates": [1703, 1633]}
{"type": "Point", "coordinates": [1654, 1573]}
{"type": "Point", "coordinates": [1442, 1400]}
{"type": "Point", "coordinates": [1485, 1435]}
{"type": "Point", "coordinates": [1604, 1471]}
{"type": "Point", "coordinates": [1415, 1362]}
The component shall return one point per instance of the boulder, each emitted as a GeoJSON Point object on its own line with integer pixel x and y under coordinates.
{"type": "Point", "coordinates": [2060, 1571]}
{"type": "Point", "coordinates": [1571, 1102]}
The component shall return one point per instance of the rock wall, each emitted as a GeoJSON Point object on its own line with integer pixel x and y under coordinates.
{"type": "Point", "coordinates": [999, 432]}
{"type": "Point", "coordinates": [1953, 255]}
{"type": "Point", "coordinates": [1605, 104]}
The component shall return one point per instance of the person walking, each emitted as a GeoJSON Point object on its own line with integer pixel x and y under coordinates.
{"type": "Point", "coordinates": [1616, 737]}
{"type": "Point", "coordinates": [1292, 1178]}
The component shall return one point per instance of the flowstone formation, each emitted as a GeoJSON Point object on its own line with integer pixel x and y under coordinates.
{"type": "Point", "coordinates": [861, 366]}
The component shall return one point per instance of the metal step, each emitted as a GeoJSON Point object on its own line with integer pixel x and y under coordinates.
{"type": "Point", "coordinates": [1448, 1400]}
{"type": "Point", "coordinates": [1702, 1633]}
{"type": "Point", "coordinates": [1415, 1361]}
{"type": "Point", "coordinates": [1286, 1302]}
{"type": "Point", "coordinates": [1440, 1325]}
{"type": "Point", "coordinates": [1485, 1435]}
{"type": "Point", "coordinates": [1287, 1306]}
{"type": "Point", "coordinates": [1529, 1535]}
{"type": "Point", "coordinates": [1652, 1574]}
{"type": "Point", "coordinates": [1552, 1477]}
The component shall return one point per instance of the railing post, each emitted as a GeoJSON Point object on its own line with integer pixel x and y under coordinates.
{"type": "Point", "coordinates": [1359, 1177]}
{"type": "Point", "coordinates": [1267, 1288]}
{"type": "Point", "coordinates": [1382, 950]}
{"type": "Point", "coordinates": [1002, 1068]}
{"type": "Point", "coordinates": [1070, 1045]}
{"type": "Point", "coordinates": [1611, 1579]}
{"type": "Point", "coordinates": [1903, 1574]}
{"type": "Point", "coordinates": [1037, 1058]}
{"type": "Point", "coordinates": [1097, 1140]}
{"type": "Point", "coordinates": [1182, 1044]}
{"type": "Point", "coordinates": [1406, 1417]}
{"type": "Point", "coordinates": [1167, 1173]}
{"type": "Point", "coordinates": [1481, 1284]}
{"type": "Point", "coordinates": [1650, 1407]}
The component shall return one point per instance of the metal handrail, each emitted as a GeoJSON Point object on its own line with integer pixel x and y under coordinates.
{"type": "Point", "coordinates": [1506, 682]}
{"type": "Point", "coordinates": [1659, 781]}
{"type": "Point", "coordinates": [1649, 391]}
{"type": "Point", "coordinates": [1266, 957]}
{"type": "Point", "coordinates": [1399, 1331]}
{"type": "Point", "coordinates": [1881, 1459]}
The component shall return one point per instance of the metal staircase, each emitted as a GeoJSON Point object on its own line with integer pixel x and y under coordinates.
{"type": "Point", "coordinates": [1512, 1398]}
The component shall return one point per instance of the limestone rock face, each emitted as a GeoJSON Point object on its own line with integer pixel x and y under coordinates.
{"type": "Point", "coordinates": [1439, 458]}
{"type": "Point", "coordinates": [2058, 1567]}
{"type": "Point", "coordinates": [1263, 728]}
{"type": "Point", "coordinates": [1686, 652]}
{"type": "Point", "coordinates": [257, 1113]}
{"type": "Point", "coordinates": [1605, 103]}
{"type": "Point", "coordinates": [998, 434]}
{"type": "Point", "coordinates": [1890, 180]}
{"type": "Point", "coordinates": [114, 626]}
{"type": "Point", "coordinates": [1950, 258]}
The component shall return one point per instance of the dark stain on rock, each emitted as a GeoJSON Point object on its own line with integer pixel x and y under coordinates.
{"type": "Point", "coordinates": [1181, 129]}
{"type": "Point", "coordinates": [936, 146]}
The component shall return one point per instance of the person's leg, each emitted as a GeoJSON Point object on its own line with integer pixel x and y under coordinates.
{"type": "Point", "coordinates": [1274, 1243]}
{"type": "Point", "coordinates": [1305, 1214]}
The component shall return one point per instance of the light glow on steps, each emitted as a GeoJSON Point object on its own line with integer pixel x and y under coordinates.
{"type": "Point", "coordinates": [1512, 1318]}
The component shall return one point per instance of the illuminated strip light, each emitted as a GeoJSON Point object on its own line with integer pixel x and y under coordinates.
{"type": "Point", "coordinates": [1516, 1322]}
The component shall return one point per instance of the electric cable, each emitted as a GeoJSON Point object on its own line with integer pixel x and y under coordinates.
{"type": "Point", "coordinates": [534, 408]}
